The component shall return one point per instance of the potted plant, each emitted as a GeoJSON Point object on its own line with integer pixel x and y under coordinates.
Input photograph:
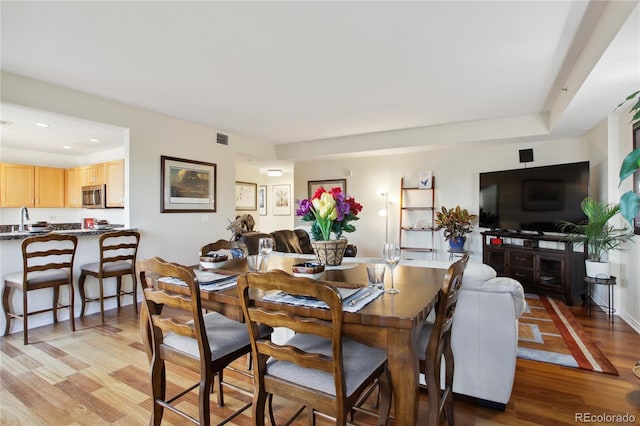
{"type": "Point", "coordinates": [630, 201]}
{"type": "Point", "coordinates": [330, 212]}
{"type": "Point", "coordinates": [597, 234]}
{"type": "Point", "coordinates": [456, 222]}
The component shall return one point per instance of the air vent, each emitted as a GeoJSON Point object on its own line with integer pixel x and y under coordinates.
{"type": "Point", "coordinates": [223, 139]}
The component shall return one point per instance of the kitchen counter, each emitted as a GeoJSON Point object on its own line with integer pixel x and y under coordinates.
{"type": "Point", "coordinates": [77, 232]}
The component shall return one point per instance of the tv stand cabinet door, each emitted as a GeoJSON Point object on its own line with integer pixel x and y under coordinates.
{"type": "Point", "coordinates": [496, 257]}
{"type": "Point", "coordinates": [551, 274]}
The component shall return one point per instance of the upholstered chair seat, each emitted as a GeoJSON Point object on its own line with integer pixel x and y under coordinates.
{"type": "Point", "coordinates": [225, 335]}
{"type": "Point", "coordinates": [360, 362]}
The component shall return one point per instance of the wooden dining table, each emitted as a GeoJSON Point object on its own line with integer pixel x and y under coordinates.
{"type": "Point", "coordinates": [391, 322]}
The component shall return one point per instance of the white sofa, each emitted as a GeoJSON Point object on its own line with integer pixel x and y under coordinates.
{"type": "Point", "coordinates": [484, 337]}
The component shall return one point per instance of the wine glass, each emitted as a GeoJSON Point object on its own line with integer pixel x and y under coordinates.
{"type": "Point", "coordinates": [265, 247]}
{"type": "Point", "coordinates": [391, 253]}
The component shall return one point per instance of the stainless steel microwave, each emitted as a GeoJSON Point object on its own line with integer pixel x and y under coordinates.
{"type": "Point", "coordinates": [94, 196]}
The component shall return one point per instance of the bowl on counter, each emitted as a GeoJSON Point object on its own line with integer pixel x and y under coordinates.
{"type": "Point", "coordinates": [100, 226]}
{"type": "Point", "coordinates": [213, 260]}
{"type": "Point", "coordinates": [308, 268]}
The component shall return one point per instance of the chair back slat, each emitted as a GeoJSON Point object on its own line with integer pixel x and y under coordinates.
{"type": "Point", "coordinates": [170, 324]}
{"type": "Point", "coordinates": [295, 355]}
{"type": "Point", "coordinates": [49, 266]}
{"type": "Point", "coordinates": [161, 297]}
{"type": "Point", "coordinates": [116, 246]}
{"type": "Point", "coordinates": [294, 322]}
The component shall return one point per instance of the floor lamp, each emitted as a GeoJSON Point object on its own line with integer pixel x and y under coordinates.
{"type": "Point", "coordinates": [385, 212]}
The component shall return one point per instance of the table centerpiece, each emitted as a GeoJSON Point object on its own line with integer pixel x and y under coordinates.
{"type": "Point", "coordinates": [330, 212]}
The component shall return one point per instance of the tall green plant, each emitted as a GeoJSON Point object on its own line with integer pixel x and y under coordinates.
{"type": "Point", "coordinates": [630, 201]}
{"type": "Point", "coordinates": [597, 234]}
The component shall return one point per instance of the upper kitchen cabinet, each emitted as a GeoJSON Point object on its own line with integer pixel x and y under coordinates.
{"type": "Point", "coordinates": [31, 186]}
{"type": "Point", "coordinates": [110, 173]}
{"type": "Point", "coordinates": [93, 174]}
{"type": "Point", "coordinates": [114, 171]}
{"type": "Point", "coordinates": [74, 182]}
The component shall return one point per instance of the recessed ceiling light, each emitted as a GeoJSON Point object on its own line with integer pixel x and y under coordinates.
{"type": "Point", "coordinates": [42, 125]}
{"type": "Point", "coordinates": [66, 146]}
{"type": "Point", "coordinates": [94, 140]}
{"type": "Point", "coordinates": [274, 172]}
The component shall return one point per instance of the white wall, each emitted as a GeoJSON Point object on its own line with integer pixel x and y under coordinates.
{"type": "Point", "coordinates": [626, 263]}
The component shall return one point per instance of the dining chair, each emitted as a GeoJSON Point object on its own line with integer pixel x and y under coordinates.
{"type": "Point", "coordinates": [434, 343]}
{"type": "Point", "coordinates": [317, 368]}
{"type": "Point", "coordinates": [118, 251]}
{"type": "Point", "coordinates": [47, 262]}
{"type": "Point", "coordinates": [237, 248]}
{"type": "Point", "coordinates": [179, 333]}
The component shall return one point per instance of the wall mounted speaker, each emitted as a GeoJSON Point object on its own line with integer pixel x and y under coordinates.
{"type": "Point", "coordinates": [526, 155]}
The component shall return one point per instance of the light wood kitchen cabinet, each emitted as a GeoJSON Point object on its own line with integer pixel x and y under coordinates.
{"type": "Point", "coordinates": [110, 173]}
{"type": "Point", "coordinates": [31, 186]}
{"type": "Point", "coordinates": [114, 171]}
{"type": "Point", "coordinates": [93, 174]}
{"type": "Point", "coordinates": [74, 180]}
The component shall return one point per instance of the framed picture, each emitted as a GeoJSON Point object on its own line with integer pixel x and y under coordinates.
{"type": "Point", "coordinates": [187, 185]}
{"type": "Point", "coordinates": [327, 184]}
{"type": "Point", "coordinates": [636, 175]}
{"type": "Point", "coordinates": [425, 181]}
{"type": "Point", "coordinates": [262, 200]}
{"type": "Point", "coordinates": [246, 196]}
{"type": "Point", "coordinates": [281, 200]}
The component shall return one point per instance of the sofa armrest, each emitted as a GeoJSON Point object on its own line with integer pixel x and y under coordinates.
{"type": "Point", "coordinates": [501, 285]}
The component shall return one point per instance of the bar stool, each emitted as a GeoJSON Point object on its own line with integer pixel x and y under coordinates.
{"type": "Point", "coordinates": [118, 251]}
{"type": "Point", "coordinates": [47, 262]}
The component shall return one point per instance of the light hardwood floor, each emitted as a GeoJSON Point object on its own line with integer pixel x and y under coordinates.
{"type": "Point", "coordinates": [99, 375]}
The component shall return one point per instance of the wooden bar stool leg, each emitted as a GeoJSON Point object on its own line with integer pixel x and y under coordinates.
{"type": "Point", "coordinates": [83, 297]}
{"type": "Point", "coordinates": [118, 289]}
{"type": "Point", "coordinates": [72, 313]}
{"type": "Point", "coordinates": [56, 298]}
{"type": "Point", "coordinates": [6, 291]}
{"type": "Point", "coordinates": [101, 299]}
{"type": "Point", "coordinates": [134, 283]}
{"type": "Point", "coordinates": [25, 322]}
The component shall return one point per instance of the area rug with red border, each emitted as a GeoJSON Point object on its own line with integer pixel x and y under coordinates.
{"type": "Point", "coordinates": [548, 332]}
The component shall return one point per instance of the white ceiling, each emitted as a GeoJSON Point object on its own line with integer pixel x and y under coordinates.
{"type": "Point", "coordinates": [287, 72]}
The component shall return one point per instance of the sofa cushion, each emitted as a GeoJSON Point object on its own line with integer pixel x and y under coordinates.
{"type": "Point", "coordinates": [296, 241]}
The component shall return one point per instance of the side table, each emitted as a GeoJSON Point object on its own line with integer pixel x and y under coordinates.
{"type": "Point", "coordinates": [456, 253]}
{"type": "Point", "coordinates": [609, 282]}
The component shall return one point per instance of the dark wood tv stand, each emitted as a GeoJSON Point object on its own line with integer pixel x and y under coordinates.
{"type": "Point", "coordinates": [541, 263]}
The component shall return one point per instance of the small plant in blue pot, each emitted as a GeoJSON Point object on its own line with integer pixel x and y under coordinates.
{"type": "Point", "coordinates": [456, 222]}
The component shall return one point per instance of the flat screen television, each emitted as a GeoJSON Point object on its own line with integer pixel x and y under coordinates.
{"type": "Point", "coordinates": [533, 199]}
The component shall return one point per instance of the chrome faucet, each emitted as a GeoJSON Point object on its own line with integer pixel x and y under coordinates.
{"type": "Point", "coordinates": [24, 213]}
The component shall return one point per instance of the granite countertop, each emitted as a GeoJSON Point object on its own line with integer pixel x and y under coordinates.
{"type": "Point", "coordinates": [59, 228]}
